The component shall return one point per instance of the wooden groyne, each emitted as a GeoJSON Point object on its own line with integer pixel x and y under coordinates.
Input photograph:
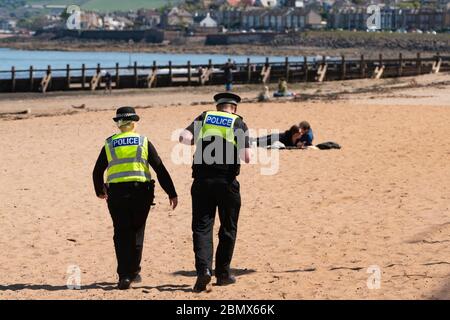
{"type": "Point", "coordinates": [154, 75]}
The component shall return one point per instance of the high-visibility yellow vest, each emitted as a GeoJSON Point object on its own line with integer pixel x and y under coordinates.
{"type": "Point", "coordinates": [219, 123]}
{"type": "Point", "coordinates": [127, 155]}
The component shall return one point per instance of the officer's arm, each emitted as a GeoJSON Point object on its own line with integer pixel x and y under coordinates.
{"type": "Point", "coordinates": [186, 137]}
{"type": "Point", "coordinates": [189, 134]}
{"type": "Point", "coordinates": [97, 174]}
{"type": "Point", "coordinates": [243, 141]}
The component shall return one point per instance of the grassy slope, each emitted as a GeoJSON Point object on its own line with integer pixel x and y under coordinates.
{"type": "Point", "coordinates": [109, 5]}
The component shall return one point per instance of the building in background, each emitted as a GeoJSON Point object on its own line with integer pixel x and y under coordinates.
{"type": "Point", "coordinates": [177, 17]}
{"type": "Point", "coordinates": [355, 18]}
{"type": "Point", "coordinates": [208, 22]}
{"type": "Point", "coordinates": [280, 19]}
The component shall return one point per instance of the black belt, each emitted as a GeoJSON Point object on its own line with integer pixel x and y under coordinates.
{"type": "Point", "coordinates": [134, 184]}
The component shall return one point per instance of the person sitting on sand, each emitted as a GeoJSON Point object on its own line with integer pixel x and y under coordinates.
{"type": "Point", "coordinates": [283, 89]}
{"type": "Point", "coordinates": [264, 95]}
{"type": "Point", "coordinates": [300, 136]}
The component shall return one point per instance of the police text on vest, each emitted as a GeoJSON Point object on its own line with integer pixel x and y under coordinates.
{"type": "Point", "coordinates": [128, 141]}
{"type": "Point", "coordinates": [219, 121]}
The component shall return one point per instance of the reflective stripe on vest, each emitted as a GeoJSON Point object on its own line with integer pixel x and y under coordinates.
{"type": "Point", "coordinates": [127, 155]}
{"type": "Point", "coordinates": [219, 123]}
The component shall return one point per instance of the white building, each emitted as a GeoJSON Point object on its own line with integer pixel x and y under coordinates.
{"type": "Point", "coordinates": [208, 22]}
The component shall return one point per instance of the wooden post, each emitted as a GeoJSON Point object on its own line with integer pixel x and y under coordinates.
{"type": "Point", "coordinates": [46, 80]}
{"type": "Point", "coordinates": [249, 71]}
{"type": "Point", "coordinates": [31, 79]}
{"type": "Point", "coordinates": [343, 68]}
{"type": "Point", "coordinates": [362, 67]}
{"type": "Point", "coordinates": [13, 79]}
{"type": "Point", "coordinates": [170, 73]}
{"type": "Point", "coordinates": [189, 72]}
{"type": "Point", "coordinates": [379, 69]}
{"type": "Point", "coordinates": [135, 74]}
{"type": "Point", "coordinates": [437, 64]}
{"type": "Point", "coordinates": [97, 78]}
{"type": "Point", "coordinates": [286, 66]}
{"type": "Point", "coordinates": [419, 64]}
{"type": "Point", "coordinates": [305, 68]}
{"type": "Point", "coordinates": [68, 76]}
{"type": "Point", "coordinates": [322, 70]}
{"type": "Point", "coordinates": [210, 71]}
{"type": "Point", "coordinates": [155, 80]}
{"type": "Point", "coordinates": [83, 76]}
{"type": "Point", "coordinates": [117, 75]}
{"type": "Point", "coordinates": [400, 65]}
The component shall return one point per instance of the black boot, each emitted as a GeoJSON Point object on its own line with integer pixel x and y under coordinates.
{"type": "Point", "coordinates": [226, 280]}
{"type": "Point", "coordinates": [203, 279]}
{"type": "Point", "coordinates": [124, 283]}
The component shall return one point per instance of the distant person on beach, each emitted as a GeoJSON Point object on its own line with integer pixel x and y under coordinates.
{"type": "Point", "coordinates": [264, 95]}
{"type": "Point", "coordinates": [283, 89]}
{"type": "Point", "coordinates": [306, 135]}
{"type": "Point", "coordinates": [300, 136]}
{"type": "Point", "coordinates": [129, 190]}
{"type": "Point", "coordinates": [200, 74]}
{"type": "Point", "coordinates": [228, 74]}
{"type": "Point", "coordinates": [108, 82]}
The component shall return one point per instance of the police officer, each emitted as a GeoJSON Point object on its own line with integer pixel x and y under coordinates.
{"type": "Point", "coordinates": [129, 190]}
{"type": "Point", "coordinates": [221, 139]}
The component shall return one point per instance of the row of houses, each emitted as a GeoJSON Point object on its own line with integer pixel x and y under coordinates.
{"type": "Point", "coordinates": [280, 19]}
{"type": "Point", "coordinates": [391, 19]}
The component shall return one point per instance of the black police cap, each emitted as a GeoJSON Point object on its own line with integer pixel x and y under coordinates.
{"type": "Point", "coordinates": [126, 113]}
{"type": "Point", "coordinates": [227, 97]}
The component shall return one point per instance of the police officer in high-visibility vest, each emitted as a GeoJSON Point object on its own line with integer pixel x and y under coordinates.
{"type": "Point", "coordinates": [129, 190]}
{"type": "Point", "coordinates": [221, 139]}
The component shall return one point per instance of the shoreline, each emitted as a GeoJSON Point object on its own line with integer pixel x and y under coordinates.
{"type": "Point", "coordinates": [197, 47]}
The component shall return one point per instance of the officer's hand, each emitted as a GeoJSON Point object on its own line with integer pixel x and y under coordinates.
{"type": "Point", "coordinates": [173, 202]}
{"type": "Point", "coordinates": [103, 196]}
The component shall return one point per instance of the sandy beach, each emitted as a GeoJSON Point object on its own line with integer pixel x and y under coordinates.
{"type": "Point", "coordinates": [311, 231]}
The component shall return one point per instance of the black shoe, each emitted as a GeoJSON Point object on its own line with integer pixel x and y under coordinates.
{"type": "Point", "coordinates": [124, 284]}
{"type": "Point", "coordinates": [202, 281]}
{"type": "Point", "coordinates": [225, 281]}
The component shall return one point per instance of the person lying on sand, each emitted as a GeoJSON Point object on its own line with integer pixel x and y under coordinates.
{"type": "Point", "coordinates": [306, 135]}
{"type": "Point", "coordinates": [300, 136]}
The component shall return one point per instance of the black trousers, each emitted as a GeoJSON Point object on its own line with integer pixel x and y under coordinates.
{"type": "Point", "coordinates": [207, 196]}
{"type": "Point", "coordinates": [129, 205]}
